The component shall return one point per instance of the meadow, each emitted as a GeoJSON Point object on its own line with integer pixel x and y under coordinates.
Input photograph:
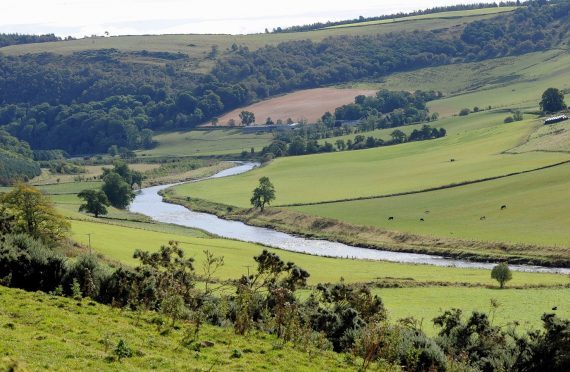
{"type": "Point", "coordinates": [206, 143]}
{"type": "Point", "coordinates": [535, 214]}
{"type": "Point", "coordinates": [408, 167]}
{"type": "Point", "coordinates": [420, 291]}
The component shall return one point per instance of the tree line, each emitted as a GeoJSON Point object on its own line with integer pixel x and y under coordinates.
{"type": "Point", "coordinates": [15, 39]}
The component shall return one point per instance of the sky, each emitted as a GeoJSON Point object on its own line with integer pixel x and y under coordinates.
{"type": "Point", "coordinates": [80, 18]}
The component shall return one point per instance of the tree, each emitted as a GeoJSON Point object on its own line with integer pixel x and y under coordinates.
{"type": "Point", "coordinates": [247, 117]}
{"type": "Point", "coordinates": [118, 191]}
{"type": "Point", "coordinates": [263, 194]}
{"type": "Point", "coordinates": [398, 136]}
{"type": "Point", "coordinates": [33, 213]}
{"type": "Point", "coordinates": [95, 202]}
{"type": "Point", "coordinates": [502, 273]}
{"type": "Point", "coordinates": [552, 100]}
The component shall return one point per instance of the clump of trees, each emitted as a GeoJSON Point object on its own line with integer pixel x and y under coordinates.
{"type": "Point", "coordinates": [16, 160]}
{"type": "Point", "coordinates": [95, 202]}
{"type": "Point", "coordinates": [552, 101]}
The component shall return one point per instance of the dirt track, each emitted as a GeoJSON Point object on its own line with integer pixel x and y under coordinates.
{"type": "Point", "coordinates": [308, 104]}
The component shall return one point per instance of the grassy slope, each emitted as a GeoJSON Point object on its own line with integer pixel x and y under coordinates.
{"type": "Point", "coordinates": [202, 142]}
{"type": "Point", "coordinates": [45, 332]}
{"type": "Point", "coordinates": [537, 210]}
{"type": "Point", "coordinates": [442, 15]}
{"type": "Point", "coordinates": [387, 170]}
{"type": "Point", "coordinates": [502, 82]}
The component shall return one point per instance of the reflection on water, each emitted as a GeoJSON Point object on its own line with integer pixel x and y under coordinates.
{"type": "Point", "coordinates": [150, 203]}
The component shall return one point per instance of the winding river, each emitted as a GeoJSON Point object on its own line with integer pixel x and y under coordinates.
{"type": "Point", "coordinates": [149, 202]}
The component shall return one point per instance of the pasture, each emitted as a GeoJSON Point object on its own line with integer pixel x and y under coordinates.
{"type": "Point", "coordinates": [425, 287]}
{"type": "Point", "coordinates": [536, 210]}
{"type": "Point", "coordinates": [305, 105]}
{"type": "Point", "coordinates": [206, 143]}
{"type": "Point", "coordinates": [442, 15]}
{"type": "Point", "coordinates": [409, 167]}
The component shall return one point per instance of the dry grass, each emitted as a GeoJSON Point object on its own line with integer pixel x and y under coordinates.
{"type": "Point", "coordinates": [308, 105]}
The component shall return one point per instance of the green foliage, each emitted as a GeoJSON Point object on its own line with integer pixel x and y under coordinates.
{"type": "Point", "coordinates": [263, 194]}
{"type": "Point", "coordinates": [552, 100]}
{"type": "Point", "coordinates": [464, 112]}
{"type": "Point", "coordinates": [34, 213]}
{"type": "Point", "coordinates": [122, 350]}
{"type": "Point", "coordinates": [247, 117]}
{"type": "Point", "coordinates": [95, 202]}
{"type": "Point", "coordinates": [118, 192]}
{"type": "Point", "coordinates": [16, 160]}
{"type": "Point", "coordinates": [501, 273]}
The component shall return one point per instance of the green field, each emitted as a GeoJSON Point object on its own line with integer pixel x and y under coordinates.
{"type": "Point", "coordinates": [206, 143]}
{"type": "Point", "coordinates": [536, 210]}
{"type": "Point", "coordinates": [380, 171]}
{"type": "Point", "coordinates": [442, 15]}
{"type": "Point", "coordinates": [43, 332]}
{"type": "Point", "coordinates": [468, 289]}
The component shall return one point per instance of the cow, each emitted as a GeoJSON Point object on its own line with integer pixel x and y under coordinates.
{"type": "Point", "coordinates": [483, 218]}
{"type": "Point", "coordinates": [503, 207]}
{"type": "Point", "coordinates": [421, 219]}
{"type": "Point", "coordinates": [390, 218]}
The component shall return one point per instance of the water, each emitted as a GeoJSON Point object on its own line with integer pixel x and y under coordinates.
{"type": "Point", "coordinates": [149, 202]}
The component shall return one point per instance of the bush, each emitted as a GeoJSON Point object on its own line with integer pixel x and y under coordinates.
{"type": "Point", "coordinates": [508, 119]}
{"type": "Point", "coordinates": [464, 112]}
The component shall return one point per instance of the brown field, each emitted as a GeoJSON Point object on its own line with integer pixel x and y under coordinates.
{"type": "Point", "coordinates": [308, 105]}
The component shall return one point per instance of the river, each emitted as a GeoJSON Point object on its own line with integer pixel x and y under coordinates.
{"type": "Point", "coordinates": [149, 202]}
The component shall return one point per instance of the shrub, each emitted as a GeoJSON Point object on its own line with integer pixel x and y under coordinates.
{"type": "Point", "coordinates": [464, 112]}
{"type": "Point", "coordinates": [508, 119]}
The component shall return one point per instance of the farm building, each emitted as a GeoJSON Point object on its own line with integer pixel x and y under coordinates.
{"type": "Point", "coordinates": [555, 119]}
{"type": "Point", "coordinates": [268, 128]}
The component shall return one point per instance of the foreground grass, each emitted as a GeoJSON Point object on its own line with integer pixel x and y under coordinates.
{"type": "Point", "coordinates": [43, 332]}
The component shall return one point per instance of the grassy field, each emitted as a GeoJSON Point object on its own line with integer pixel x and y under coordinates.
{"type": "Point", "coordinates": [206, 143]}
{"type": "Point", "coordinates": [442, 15]}
{"type": "Point", "coordinates": [536, 210]}
{"type": "Point", "coordinates": [523, 306]}
{"type": "Point", "coordinates": [425, 295]}
{"type": "Point", "coordinates": [503, 82]}
{"type": "Point", "coordinates": [43, 332]}
{"type": "Point", "coordinates": [380, 171]}
{"type": "Point", "coordinates": [304, 105]}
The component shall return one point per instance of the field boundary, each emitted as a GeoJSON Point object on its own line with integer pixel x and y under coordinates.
{"type": "Point", "coordinates": [437, 188]}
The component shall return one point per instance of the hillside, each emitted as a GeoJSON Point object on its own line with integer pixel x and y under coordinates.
{"type": "Point", "coordinates": [40, 331]}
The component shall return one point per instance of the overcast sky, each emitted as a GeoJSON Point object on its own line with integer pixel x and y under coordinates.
{"type": "Point", "coordinates": [129, 17]}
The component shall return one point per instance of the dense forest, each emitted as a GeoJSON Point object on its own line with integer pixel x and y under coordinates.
{"type": "Point", "coordinates": [16, 160]}
{"type": "Point", "coordinates": [95, 99]}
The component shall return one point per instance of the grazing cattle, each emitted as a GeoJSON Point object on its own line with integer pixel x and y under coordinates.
{"type": "Point", "coordinates": [452, 160]}
{"type": "Point", "coordinates": [421, 219]}
{"type": "Point", "coordinates": [390, 218]}
{"type": "Point", "coordinates": [483, 218]}
{"type": "Point", "coordinates": [503, 207]}
{"type": "Point", "coordinates": [555, 308]}
{"type": "Point", "coordinates": [426, 212]}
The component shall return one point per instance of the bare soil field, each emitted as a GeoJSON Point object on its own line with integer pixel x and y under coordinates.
{"type": "Point", "coordinates": [308, 104]}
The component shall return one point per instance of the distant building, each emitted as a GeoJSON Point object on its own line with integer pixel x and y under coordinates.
{"type": "Point", "coordinates": [268, 128]}
{"type": "Point", "coordinates": [555, 119]}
